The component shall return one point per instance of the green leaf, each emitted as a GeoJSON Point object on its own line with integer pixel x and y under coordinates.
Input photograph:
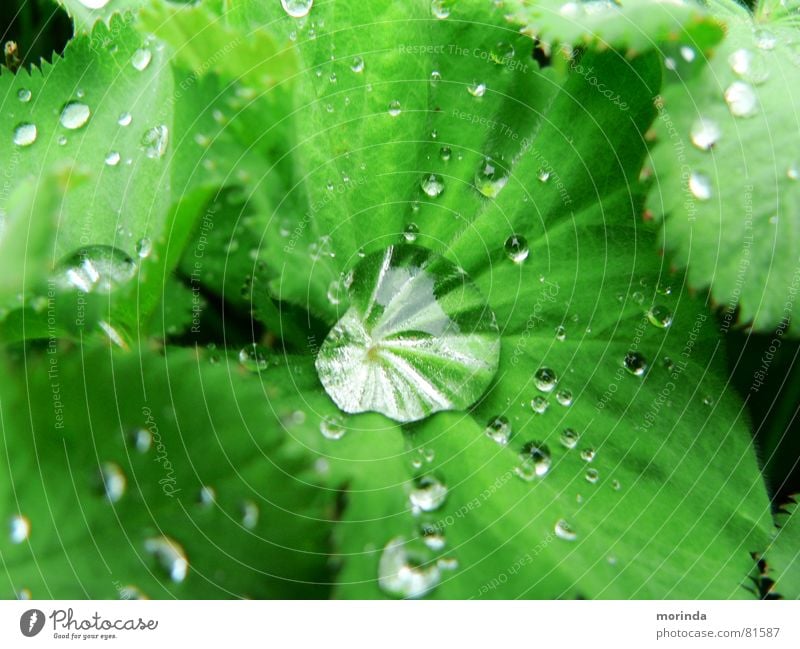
{"type": "Point", "coordinates": [86, 13]}
{"type": "Point", "coordinates": [91, 489]}
{"type": "Point", "coordinates": [727, 190]}
{"type": "Point", "coordinates": [635, 25]}
{"type": "Point", "coordinates": [783, 554]}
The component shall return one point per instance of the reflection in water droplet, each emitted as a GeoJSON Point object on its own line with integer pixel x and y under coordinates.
{"type": "Point", "coordinates": [490, 178]}
{"type": "Point", "coordinates": [428, 494]}
{"type": "Point", "coordinates": [144, 247]}
{"type": "Point", "coordinates": [141, 58]}
{"type": "Point", "coordinates": [561, 333]}
{"type": "Point", "coordinates": [411, 232]}
{"type": "Point", "coordinates": [24, 95]}
{"type": "Point", "coordinates": [96, 269]}
{"type": "Point", "coordinates": [592, 475]}
{"type": "Point", "coordinates": [635, 363]}
{"type": "Point", "coordinates": [538, 455]}
{"type": "Point", "coordinates": [74, 114]}
{"type": "Point", "coordinates": [569, 438]}
{"type": "Point", "coordinates": [588, 454]}
{"type": "Point", "coordinates": [545, 379]}
{"type": "Point", "coordinates": [20, 529]}
{"type": "Point", "coordinates": [540, 404]}
{"type": "Point", "coordinates": [25, 134]}
{"type": "Point", "coordinates": [660, 316]}
{"type": "Point", "coordinates": [297, 8]}
{"type": "Point", "coordinates": [170, 556]}
{"type": "Point", "coordinates": [516, 247]}
{"type": "Point", "coordinates": [332, 427]}
{"type": "Point", "coordinates": [741, 99]}
{"type": "Point", "coordinates": [432, 185]}
{"type": "Point", "coordinates": [439, 9]}
{"type": "Point", "coordinates": [113, 480]}
{"type": "Point", "coordinates": [155, 141]}
{"type": "Point", "coordinates": [445, 153]}
{"type": "Point", "coordinates": [499, 429]}
{"type": "Point", "coordinates": [564, 397]}
{"type": "Point", "coordinates": [705, 133]}
{"type": "Point", "coordinates": [357, 65]}
{"type": "Point", "coordinates": [403, 573]}
{"type": "Point", "coordinates": [564, 530]}
{"type": "Point", "coordinates": [416, 339]}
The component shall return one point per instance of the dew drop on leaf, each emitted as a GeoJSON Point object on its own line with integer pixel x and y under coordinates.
{"type": "Point", "coordinates": [332, 427]}
{"type": "Point", "coordinates": [569, 438]}
{"type": "Point", "coordinates": [252, 358]}
{"type": "Point", "coordinates": [700, 186]}
{"type": "Point", "coordinates": [705, 133]}
{"type": "Point", "coordinates": [561, 333]}
{"type": "Point", "coordinates": [432, 538]}
{"type": "Point", "coordinates": [445, 153]}
{"type": "Point", "coordinates": [144, 247]}
{"type": "Point", "coordinates": [749, 66]}
{"type": "Point", "coordinates": [741, 99]}
{"type": "Point", "coordinates": [765, 39]}
{"type": "Point", "coordinates": [404, 573]}
{"type": "Point", "coordinates": [113, 480]}
{"type": "Point", "coordinates": [141, 439]}
{"type": "Point", "coordinates": [297, 8]}
{"type": "Point", "coordinates": [439, 9]}
{"type": "Point", "coordinates": [538, 455]}
{"type": "Point", "coordinates": [131, 592]}
{"type": "Point", "coordinates": [357, 64]}
{"type": "Point", "coordinates": [540, 404]}
{"type": "Point", "coordinates": [24, 95]}
{"type": "Point", "coordinates": [141, 58]}
{"type": "Point", "coordinates": [635, 363]}
{"type": "Point", "coordinates": [545, 379]}
{"type": "Point", "coordinates": [98, 269]}
{"type": "Point", "coordinates": [25, 134]}
{"type": "Point", "coordinates": [112, 158]}
{"type": "Point", "coordinates": [155, 140]}
{"type": "Point", "coordinates": [592, 475]}
{"type": "Point", "coordinates": [490, 178]}
{"type": "Point", "coordinates": [428, 494]}
{"type": "Point", "coordinates": [19, 529]}
{"type": "Point", "coordinates": [170, 555]}
{"type": "Point", "coordinates": [477, 89]}
{"type": "Point", "coordinates": [432, 185]}
{"type": "Point", "coordinates": [564, 530]}
{"type": "Point", "coordinates": [250, 514]}
{"type": "Point", "coordinates": [564, 397]}
{"type": "Point", "coordinates": [411, 232]}
{"type": "Point", "coordinates": [499, 429]}
{"type": "Point", "coordinates": [394, 108]}
{"type": "Point", "coordinates": [588, 454]}
{"type": "Point", "coordinates": [74, 115]}
{"type": "Point", "coordinates": [516, 247]}
{"type": "Point", "coordinates": [659, 316]}
{"type": "Point", "coordinates": [124, 119]}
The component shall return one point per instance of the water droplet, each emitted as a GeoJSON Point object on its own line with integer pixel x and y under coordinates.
{"type": "Point", "coordinates": [687, 53]}
{"type": "Point", "coordinates": [432, 185]}
{"type": "Point", "coordinates": [545, 379]}
{"type": "Point", "coordinates": [660, 316]}
{"type": "Point", "coordinates": [74, 115]}
{"type": "Point", "coordinates": [499, 429]}
{"type": "Point", "coordinates": [394, 108]}
{"type": "Point", "coordinates": [62, 140]}
{"type": "Point", "coordinates": [124, 119]}
{"type": "Point", "coordinates": [20, 528]}
{"type": "Point", "coordinates": [250, 514]}
{"type": "Point", "coordinates": [748, 66]}
{"type": "Point", "coordinates": [516, 247]}
{"type": "Point", "coordinates": [561, 333]}
{"type": "Point", "coordinates": [411, 232]}
{"type": "Point", "coordinates": [564, 397]}
{"type": "Point", "coordinates": [336, 292]}
{"type": "Point", "coordinates": [155, 141]}
{"type": "Point", "coordinates": [142, 439]}
{"type": "Point", "coordinates": [170, 556]}
{"type": "Point", "coordinates": [98, 269]}
{"type": "Point", "coordinates": [700, 186]}
{"type": "Point", "coordinates": [432, 538]}
{"type": "Point", "coordinates": [588, 454]}
{"type": "Point", "coordinates": [543, 175]}
{"type": "Point", "coordinates": [490, 178]}
{"type": "Point", "coordinates": [569, 438]}
{"type": "Point", "coordinates": [592, 476]}
{"type": "Point", "coordinates": [445, 153]}
{"type": "Point", "coordinates": [25, 134]}
{"type": "Point", "coordinates": [357, 64]}
{"type": "Point", "coordinates": [130, 592]}
{"type": "Point", "coordinates": [741, 99]}
{"type": "Point", "coordinates": [144, 247]}
{"type": "Point", "coordinates": [477, 89]}
{"type": "Point", "coordinates": [141, 58]}
{"type": "Point", "coordinates": [765, 39]}
{"type": "Point", "coordinates": [502, 51]}
{"type": "Point", "coordinates": [113, 481]}
{"type": "Point", "coordinates": [615, 485]}
{"type": "Point", "coordinates": [297, 8]}
{"type": "Point", "coordinates": [540, 404]}
{"type": "Point", "coordinates": [24, 95]}
{"type": "Point", "coordinates": [112, 158]}
{"type": "Point", "coordinates": [332, 427]}
{"type": "Point", "coordinates": [439, 9]}
{"type": "Point", "coordinates": [538, 455]}
{"type": "Point", "coordinates": [428, 494]}
{"type": "Point", "coordinates": [635, 363]}
{"type": "Point", "coordinates": [207, 496]}
{"type": "Point", "coordinates": [403, 573]}
{"type": "Point", "coordinates": [436, 77]}
{"type": "Point", "coordinates": [705, 133]}
{"type": "Point", "coordinates": [564, 530]}
{"type": "Point", "coordinates": [793, 171]}
{"type": "Point", "coordinates": [253, 358]}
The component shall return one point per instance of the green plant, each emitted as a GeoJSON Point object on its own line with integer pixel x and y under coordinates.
{"type": "Point", "coordinates": [364, 299]}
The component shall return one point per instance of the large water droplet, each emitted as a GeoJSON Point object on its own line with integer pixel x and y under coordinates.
{"type": "Point", "coordinates": [490, 178]}
{"type": "Point", "coordinates": [538, 455]}
{"type": "Point", "coordinates": [516, 247]}
{"type": "Point", "coordinates": [741, 99]}
{"type": "Point", "coordinates": [545, 379]}
{"type": "Point", "coordinates": [332, 427]}
{"type": "Point", "coordinates": [440, 9]}
{"type": "Point", "coordinates": [124, 119]}
{"type": "Point", "coordinates": [141, 58]}
{"type": "Point", "coordinates": [660, 316]}
{"type": "Point", "coordinates": [297, 8]}
{"type": "Point", "coordinates": [155, 141]}
{"type": "Point", "coordinates": [499, 429]}
{"type": "Point", "coordinates": [404, 573]}
{"type": "Point", "coordinates": [417, 338]}
{"type": "Point", "coordinates": [705, 133]}
{"type": "Point", "coordinates": [428, 494]}
{"type": "Point", "coordinates": [170, 555]}
{"type": "Point", "coordinates": [635, 363]}
{"type": "Point", "coordinates": [700, 186]}
{"type": "Point", "coordinates": [564, 530]}
{"type": "Point", "coordinates": [24, 95]}
{"type": "Point", "coordinates": [540, 404]}
{"type": "Point", "coordinates": [25, 134]}
{"type": "Point", "coordinates": [98, 269]}
{"type": "Point", "coordinates": [432, 185]}
{"type": "Point", "coordinates": [74, 115]}
{"type": "Point", "coordinates": [112, 158]}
